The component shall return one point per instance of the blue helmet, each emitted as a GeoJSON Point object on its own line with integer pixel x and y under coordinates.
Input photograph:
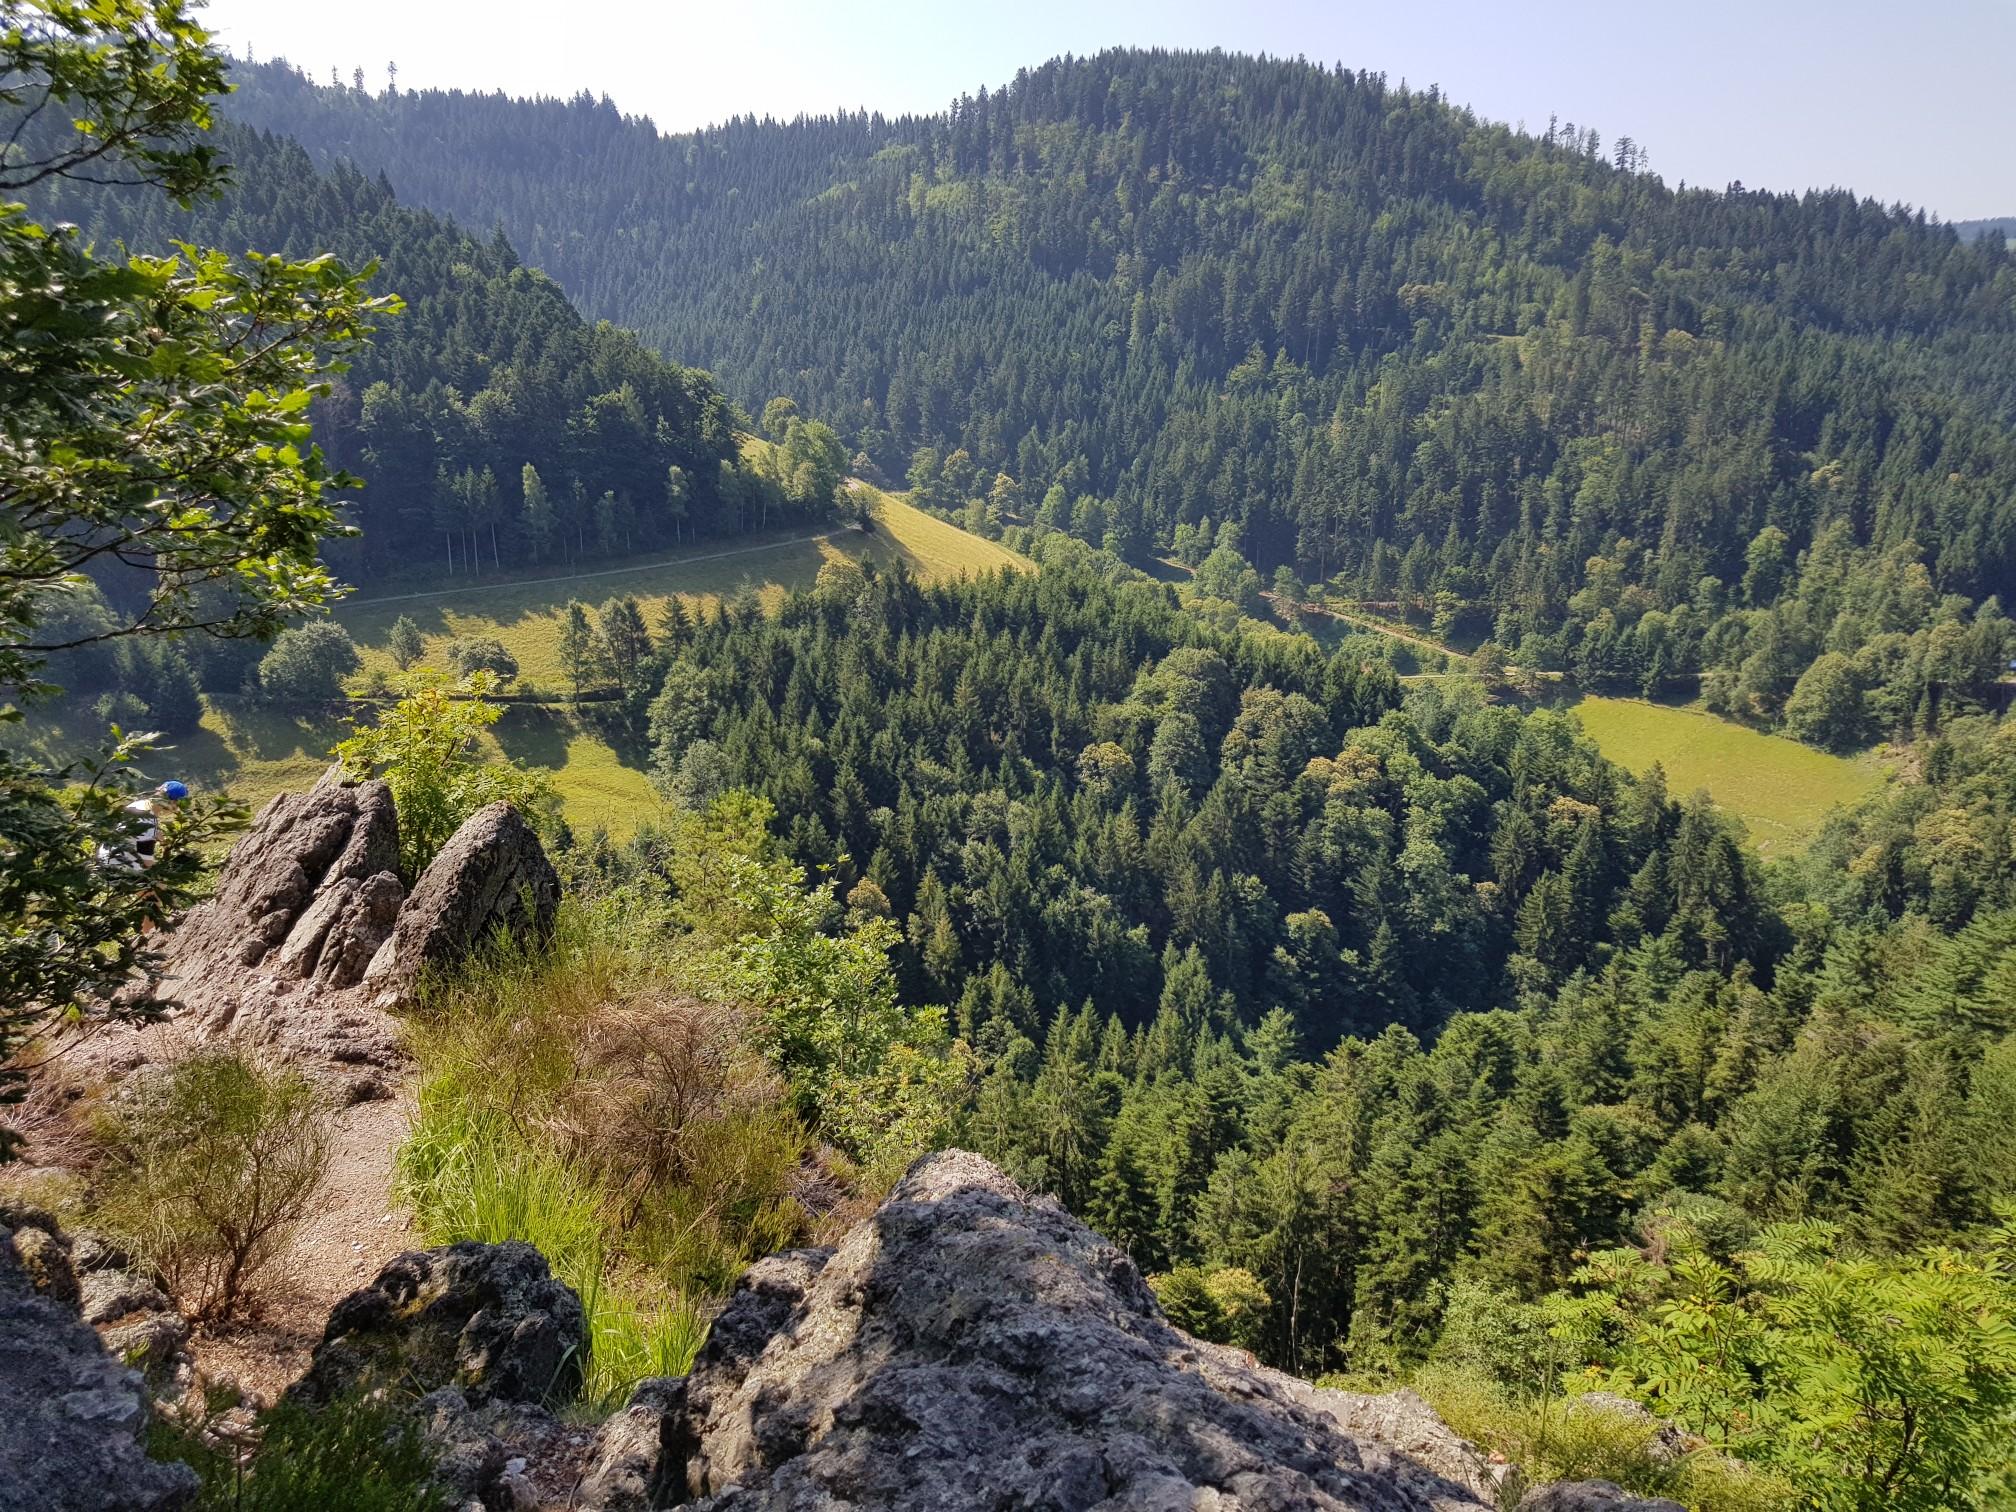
{"type": "Point", "coordinates": [175, 790]}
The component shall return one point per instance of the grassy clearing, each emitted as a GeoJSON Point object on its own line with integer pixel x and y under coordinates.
{"type": "Point", "coordinates": [526, 615]}
{"type": "Point", "coordinates": [254, 752]}
{"type": "Point", "coordinates": [1781, 789]}
{"type": "Point", "coordinates": [247, 750]}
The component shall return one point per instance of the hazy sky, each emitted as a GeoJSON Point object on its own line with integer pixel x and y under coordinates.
{"type": "Point", "coordinates": [1911, 100]}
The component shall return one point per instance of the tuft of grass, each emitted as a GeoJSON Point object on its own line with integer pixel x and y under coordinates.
{"type": "Point", "coordinates": [468, 1177]}
{"type": "Point", "coordinates": [1780, 788]}
{"type": "Point", "coordinates": [634, 1334]}
{"type": "Point", "coordinates": [1551, 1443]}
{"type": "Point", "coordinates": [634, 1139]}
{"type": "Point", "coordinates": [361, 1455]}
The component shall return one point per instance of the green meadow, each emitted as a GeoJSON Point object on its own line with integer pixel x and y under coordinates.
{"type": "Point", "coordinates": [527, 615]}
{"type": "Point", "coordinates": [1778, 787]}
{"type": "Point", "coordinates": [253, 751]}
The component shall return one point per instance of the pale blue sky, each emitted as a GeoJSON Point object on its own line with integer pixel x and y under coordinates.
{"type": "Point", "coordinates": [1913, 100]}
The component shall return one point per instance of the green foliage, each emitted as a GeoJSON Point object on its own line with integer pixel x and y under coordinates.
{"type": "Point", "coordinates": [307, 664]}
{"type": "Point", "coordinates": [493, 422]}
{"type": "Point", "coordinates": [1867, 1382]}
{"type": "Point", "coordinates": [1226, 1305]}
{"type": "Point", "coordinates": [1827, 706]}
{"type": "Point", "coordinates": [73, 928]}
{"type": "Point", "coordinates": [210, 1163]}
{"type": "Point", "coordinates": [144, 438]}
{"type": "Point", "coordinates": [358, 1454]}
{"type": "Point", "coordinates": [427, 747]}
{"type": "Point", "coordinates": [470, 654]}
{"type": "Point", "coordinates": [1347, 319]}
{"type": "Point", "coordinates": [405, 643]}
{"type": "Point", "coordinates": [571, 1098]}
{"type": "Point", "coordinates": [1552, 1438]}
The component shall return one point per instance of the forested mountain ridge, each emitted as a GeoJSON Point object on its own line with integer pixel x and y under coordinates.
{"type": "Point", "coordinates": [493, 425]}
{"type": "Point", "coordinates": [1625, 430]}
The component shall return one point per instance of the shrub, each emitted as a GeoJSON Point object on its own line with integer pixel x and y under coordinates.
{"type": "Point", "coordinates": [1549, 1441]}
{"type": "Point", "coordinates": [1224, 1304]}
{"type": "Point", "coordinates": [405, 642]}
{"type": "Point", "coordinates": [632, 1136]}
{"type": "Point", "coordinates": [307, 664]}
{"type": "Point", "coordinates": [482, 653]}
{"type": "Point", "coordinates": [211, 1163]}
{"type": "Point", "coordinates": [428, 748]}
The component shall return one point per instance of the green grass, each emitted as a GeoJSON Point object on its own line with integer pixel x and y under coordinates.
{"type": "Point", "coordinates": [526, 615]}
{"type": "Point", "coordinates": [254, 752]}
{"type": "Point", "coordinates": [1781, 789]}
{"type": "Point", "coordinates": [247, 750]}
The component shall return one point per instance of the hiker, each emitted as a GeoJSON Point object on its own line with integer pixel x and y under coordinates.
{"type": "Point", "coordinates": [137, 852]}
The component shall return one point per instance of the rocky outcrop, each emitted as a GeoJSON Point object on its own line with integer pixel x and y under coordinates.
{"type": "Point", "coordinates": [639, 1452]}
{"type": "Point", "coordinates": [311, 941]}
{"type": "Point", "coordinates": [972, 1346]}
{"type": "Point", "coordinates": [488, 1320]}
{"type": "Point", "coordinates": [301, 864]}
{"type": "Point", "coordinates": [71, 1414]}
{"type": "Point", "coordinates": [493, 875]}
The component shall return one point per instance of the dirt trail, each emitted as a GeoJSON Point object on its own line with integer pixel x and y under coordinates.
{"type": "Point", "coordinates": [355, 1228]}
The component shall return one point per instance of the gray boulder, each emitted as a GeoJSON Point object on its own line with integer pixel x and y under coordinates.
{"type": "Point", "coordinates": [300, 850]}
{"type": "Point", "coordinates": [489, 1320]}
{"type": "Point", "coordinates": [492, 875]}
{"type": "Point", "coordinates": [272, 958]}
{"type": "Point", "coordinates": [71, 1416]}
{"type": "Point", "coordinates": [972, 1346]}
{"type": "Point", "coordinates": [109, 1295]}
{"type": "Point", "coordinates": [640, 1451]}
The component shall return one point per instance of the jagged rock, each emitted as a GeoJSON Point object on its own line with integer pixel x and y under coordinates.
{"type": "Point", "coordinates": [364, 925]}
{"type": "Point", "coordinates": [109, 1295]}
{"type": "Point", "coordinates": [483, 1455]}
{"type": "Point", "coordinates": [93, 1251]}
{"type": "Point", "coordinates": [639, 1451]}
{"type": "Point", "coordinates": [308, 906]}
{"type": "Point", "coordinates": [71, 1416]}
{"type": "Point", "coordinates": [157, 1345]}
{"type": "Point", "coordinates": [969, 1345]}
{"type": "Point", "coordinates": [302, 903]}
{"type": "Point", "coordinates": [1402, 1420]}
{"type": "Point", "coordinates": [41, 1254]}
{"type": "Point", "coordinates": [493, 874]}
{"type": "Point", "coordinates": [487, 1319]}
{"type": "Point", "coordinates": [1592, 1496]}
{"type": "Point", "coordinates": [766, 1296]}
{"type": "Point", "coordinates": [301, 846]}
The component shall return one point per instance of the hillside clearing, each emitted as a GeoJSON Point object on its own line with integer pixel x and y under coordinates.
{"type": "Point", "coordinates": [254, 751]}
{"type": "Point", "coordinates": [527, 616]}
{"type": "Point", "coordinates": [1781, 789]}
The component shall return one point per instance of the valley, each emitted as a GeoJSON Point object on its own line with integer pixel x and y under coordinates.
{"type": "Point", "coordinates": [1202, 780]}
